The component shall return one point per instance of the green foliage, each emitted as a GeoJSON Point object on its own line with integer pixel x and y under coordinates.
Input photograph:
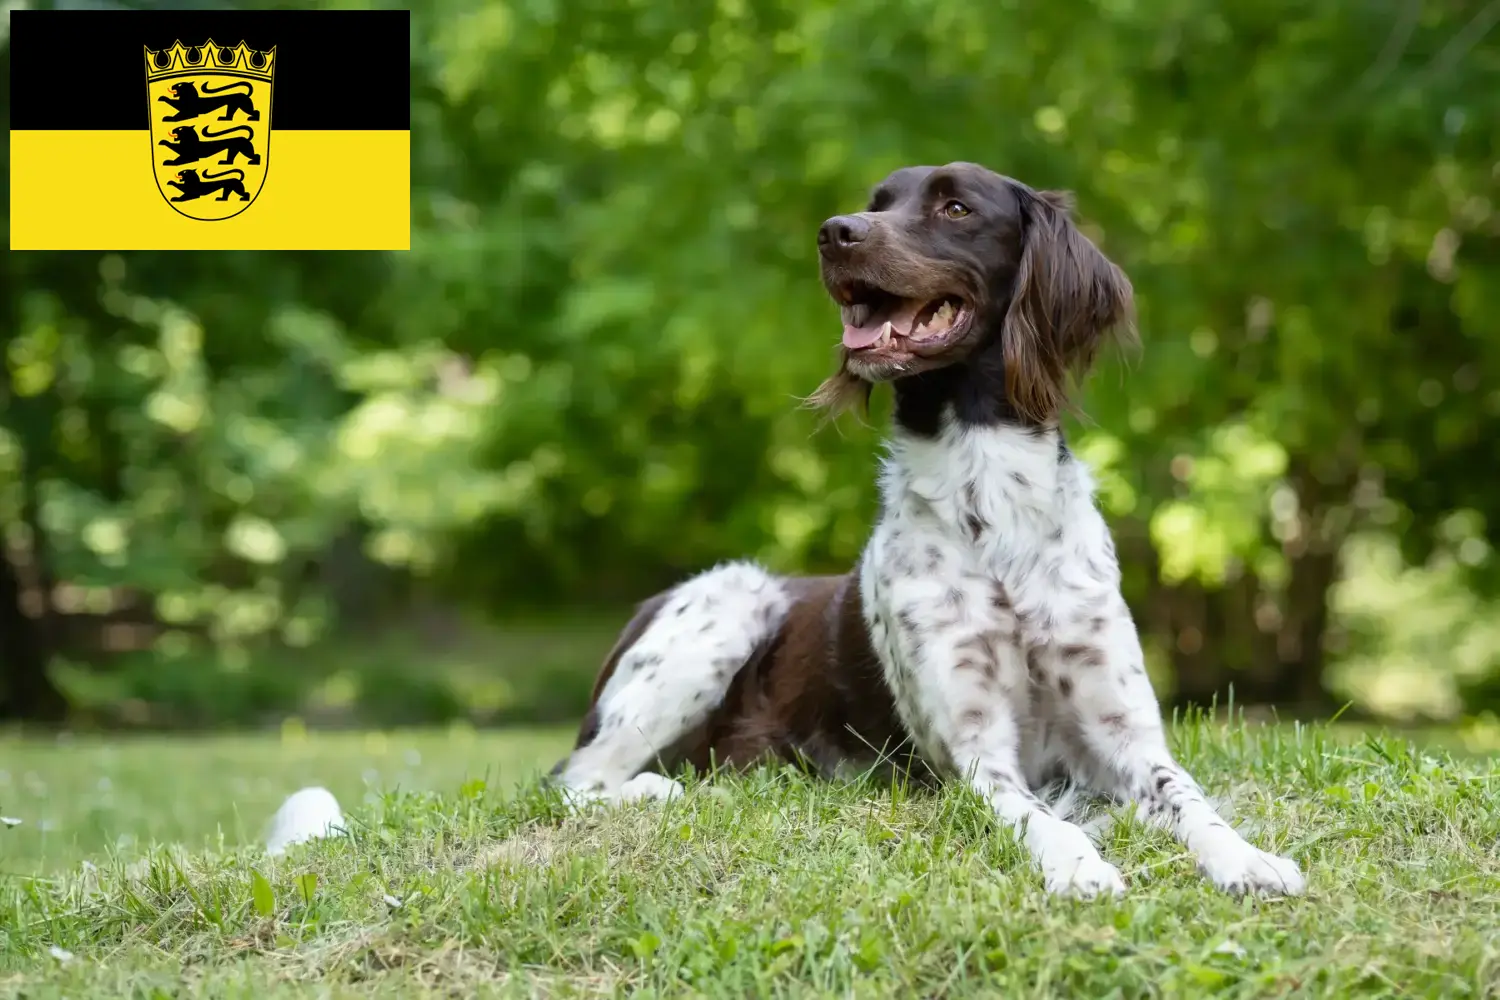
{"type": "Point", "coordinates": [582, 380]}
{"type": "Point", "coordinates": [262, 894]}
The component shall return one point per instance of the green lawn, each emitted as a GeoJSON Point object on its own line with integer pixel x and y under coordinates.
{"type": "Point", "coordinates": [766, 885]}
{"type": "Point", "coordinates": [81, 798]}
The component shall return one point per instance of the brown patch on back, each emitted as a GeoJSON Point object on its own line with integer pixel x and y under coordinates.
{"type": "Point", "coordinates": [812, 694]}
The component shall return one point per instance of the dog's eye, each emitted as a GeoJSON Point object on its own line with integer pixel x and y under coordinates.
{"type": "Point", "coordinates": [955, 210]}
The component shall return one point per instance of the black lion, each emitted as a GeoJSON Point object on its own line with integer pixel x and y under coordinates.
{"type": "Point", "coordinates": [188, 147]}
{"type": "Point", "coordinates": [192, 186]}
{"type": "Point", "coordinates": [188, 103]}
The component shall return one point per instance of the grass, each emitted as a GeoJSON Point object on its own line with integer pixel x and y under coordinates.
{"type": "Point", "coordinates": [771, 884]}
{"type": "Point", "coordinates": [81, 798]}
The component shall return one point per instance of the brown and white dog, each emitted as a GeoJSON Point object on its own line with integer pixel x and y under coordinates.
{"type": "Point", "coordinates": [983, 632]}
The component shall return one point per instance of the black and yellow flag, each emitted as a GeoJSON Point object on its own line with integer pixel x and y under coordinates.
{"type": "Point", "coordinates": [199, 130]}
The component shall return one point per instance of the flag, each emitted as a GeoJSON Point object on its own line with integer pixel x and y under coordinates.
{"type": "Point", "coordinates": [199, 130]}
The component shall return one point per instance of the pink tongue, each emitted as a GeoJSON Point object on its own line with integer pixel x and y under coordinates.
{"type": "Point", "coordinates": [902, 318]}
{"type": "Point", "coordinates": [857, 338]}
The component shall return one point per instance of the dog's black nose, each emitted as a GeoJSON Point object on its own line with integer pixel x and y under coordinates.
{"type": "Point", "coordinates": [841, 232]}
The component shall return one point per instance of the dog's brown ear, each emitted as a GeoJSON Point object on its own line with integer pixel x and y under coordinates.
{"type": "Point", "coordinates": [1068, 298]}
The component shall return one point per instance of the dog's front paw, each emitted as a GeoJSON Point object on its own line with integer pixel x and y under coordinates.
{"type": "Point", "coordinates": [650, 786]}
{"type": "Point", "coordinates": [1242, 868]}
{"type": "Point", "coordinates": [1085, 878]}
{"type": "Point", "coordinates": [579, 800]}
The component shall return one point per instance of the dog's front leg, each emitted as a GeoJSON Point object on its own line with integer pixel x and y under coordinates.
{"type": "Point", "coordinates": [1070, 863]}
{"type": "Point", "coordinates": [1098, 668]}
{"type": "Point", "coordinates": [951, 654]}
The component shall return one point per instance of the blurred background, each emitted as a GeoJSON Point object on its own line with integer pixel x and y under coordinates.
{"type": "Point", "coordinates": [302, 492]}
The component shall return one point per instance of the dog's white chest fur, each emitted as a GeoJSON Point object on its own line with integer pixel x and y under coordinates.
{"type": "Point", "coordinates": [989, 550]}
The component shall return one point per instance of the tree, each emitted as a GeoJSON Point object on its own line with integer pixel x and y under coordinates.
{"type": "Point", "coordinates": [582, 381]}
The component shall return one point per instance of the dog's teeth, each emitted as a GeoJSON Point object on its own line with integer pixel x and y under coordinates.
{"type": "Point", "coordinates": [885, 333]}
{"type": "Point", "coordinates": [939, 322]}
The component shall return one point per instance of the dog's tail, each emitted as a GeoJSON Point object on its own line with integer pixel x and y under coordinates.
{"type": "Point", "coordinates": [307, 814]}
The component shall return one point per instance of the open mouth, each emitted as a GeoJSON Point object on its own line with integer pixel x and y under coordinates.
{"type": "Point", "coordinates": [876, 320]}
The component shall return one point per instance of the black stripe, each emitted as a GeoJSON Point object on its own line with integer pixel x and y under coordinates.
{"type": "Point", "coordinates": [335, 69]}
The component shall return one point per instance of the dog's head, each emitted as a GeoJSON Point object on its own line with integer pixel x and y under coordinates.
{"type": "Point", "coordinates": [957, 265]}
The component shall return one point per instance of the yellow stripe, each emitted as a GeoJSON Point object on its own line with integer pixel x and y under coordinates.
{"type": "Point", "coordinates": [95, 190]}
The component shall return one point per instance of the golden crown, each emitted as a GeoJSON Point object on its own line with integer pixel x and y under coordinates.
{"type": "Point", "coordinates": [210, 57]}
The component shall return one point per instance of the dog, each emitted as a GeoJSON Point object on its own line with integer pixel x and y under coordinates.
{"type": "Point", "coordinates": [982, 633]}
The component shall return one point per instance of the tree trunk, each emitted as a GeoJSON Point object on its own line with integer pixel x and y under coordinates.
{"type": "Point", "coordinates": [28, 693]}
{"type": "Point", "coordinates": [1193, 648]}
{"type": "Point", "coordinates": [27, 640]}
{"type": "Point", "coordinates": [1215, 639]}
{"type": "Point", "coordinates": [1180, 617]}
{"type": "Point", "coordinates": [1291, 675]}
{"type": "Point", "coordinates": [1297, 683]}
